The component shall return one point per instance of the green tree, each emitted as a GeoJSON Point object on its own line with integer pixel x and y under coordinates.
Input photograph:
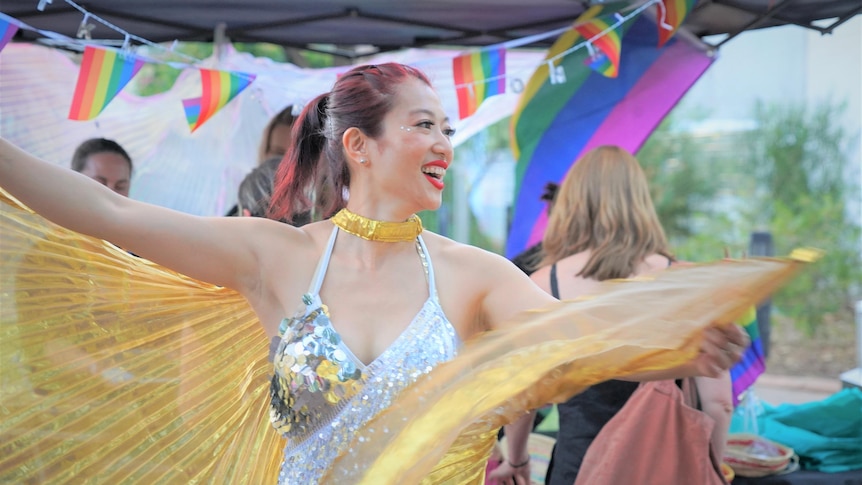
{"type": "Point", "coordinates": [158, 78]}
{"type": "Point", "coordinates": [693, 185]}
{"type": "Point", "coordinates": [477, 151]}
{"type": "Point", "coordinates": [798, 155]}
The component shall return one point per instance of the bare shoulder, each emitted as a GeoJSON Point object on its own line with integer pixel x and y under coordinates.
{"type": "Point", "coordinates": [480, 290]}
{"type": "Point", "coordinates": [285, 252]}
{"type": "Point", "coordinates": [464, 257]}
{"type": "Point", "coordinates": [287, 257]}
{"type": "Point", "coordinates": [270, 234]}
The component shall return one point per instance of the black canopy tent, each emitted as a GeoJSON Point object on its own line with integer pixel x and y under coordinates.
{"type": "Point", "coordinates": [353, 28]}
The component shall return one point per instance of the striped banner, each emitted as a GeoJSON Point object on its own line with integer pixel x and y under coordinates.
{"type": "Point", "coordinates": [753, 362]}
{"type": "Point", "coordinates": [565, 113]}
{"type": "Point", "coordinates": [478, 76]}
{"type": "Point", "coordinates": [103, 74]}
{"type": "Point", "coordinates": [219, 88]}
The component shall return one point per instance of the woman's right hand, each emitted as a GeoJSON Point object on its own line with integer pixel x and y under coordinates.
{"type": "Point", "coordinates": [506, 474]}
{"type": "Point", "coordinates": [721, 348]}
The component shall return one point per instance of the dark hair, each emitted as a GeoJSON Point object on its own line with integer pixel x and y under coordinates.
{"type": "Point", "coordinates": [530, 259]}
{"type": "Point", "coordinates": [255, 192]}
{"type": "Point", "coordinates": [97, 145]}
{"type": "Point", "coordinates": [284, 117]}
{"type": "Point", "coordinates": [255, 189]}
{"type": "Point", "coordinates": [550, 193]}
{"type": "Point", "coordinates": [315, 171]}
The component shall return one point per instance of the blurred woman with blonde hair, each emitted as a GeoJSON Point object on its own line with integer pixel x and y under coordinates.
{"type": "Point", "coordinates": [604, 226]}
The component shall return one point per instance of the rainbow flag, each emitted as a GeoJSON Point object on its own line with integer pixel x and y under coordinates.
{"type": "Point", "coordinates": [670, 15]}
{"type": "Point", "coordinates": [478, 76]}
{"type": "Point", "coordinates": [555, 123]}
{"type": "Point", "coordinates": [607, 60]}
{"type": "Point", "coordinates": [7, 31]}
{"type": "Point", "coordinates": [219, 88]}
{"type": "Point", "coordinates": [753, 363]}
{"type": "Point", "coordinates": [103, 74]}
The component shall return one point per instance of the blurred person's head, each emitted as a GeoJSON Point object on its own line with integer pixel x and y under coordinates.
{"type": "Point", "coordinates": [255, 192]}
{"type": "Point", "coordinates": [106, 162]}
{"type": "Point", "coordinates": [276, 135]}
{"type": "Point", "coordinates": [603, 206]}
{"type": "Point", "coordinates": [549, 195]}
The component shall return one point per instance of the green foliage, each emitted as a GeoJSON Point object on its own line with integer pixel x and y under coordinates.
{"type": "Point", "coordinates": [158, 78]}
{"type": "Point", "coordinates": [802, 169]}
{"type": "Point", "coordinates": [261, 49]}
{"type": "Point", "coordinates": [472, 158]}
{"type": "Point", "coordinates": [318, 60]}
{"type": "Point", "coordinates": [689, 179]}
{"type": "Point", "coordinates": [788, 176]}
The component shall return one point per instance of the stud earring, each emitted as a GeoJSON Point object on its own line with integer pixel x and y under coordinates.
{"type": "Point", "coordinates": [363, 161]}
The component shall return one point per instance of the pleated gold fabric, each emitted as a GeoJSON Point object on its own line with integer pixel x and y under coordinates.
{"type": "Point", "coordinates": [115, 370]}
{"type": "Point", "coordinates": [630, 326]}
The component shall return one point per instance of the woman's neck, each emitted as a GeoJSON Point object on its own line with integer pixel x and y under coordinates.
{"type": "Point", "coordinates": [378, 230]}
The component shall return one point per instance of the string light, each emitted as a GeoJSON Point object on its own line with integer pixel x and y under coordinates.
{"type": "Point", "coordinates": [84, 32]}
{"type": "Point", "coordinates": [85, 29]}
{"type": "Point", "coordinates": [557, 75]}
{"type": "Point", "coordinates": [610, 28]}
{"type": "Point", "coordinates": [128, 37]}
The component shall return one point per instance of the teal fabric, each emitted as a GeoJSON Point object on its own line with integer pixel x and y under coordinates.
{"type": "Point", "coordinates": [827, 434]}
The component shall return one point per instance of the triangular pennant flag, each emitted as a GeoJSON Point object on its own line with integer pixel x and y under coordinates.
{"type": "Point", "coordinates": [671, 13]}
{"type": "Point", "coordinates": [607, 60]}
{"type": "Point", "coordinates": [103, 74]}
{"type": "Point", "coordinates": [219, 88]}
{"type": "Point", "coordinates": [7, 31]}
{"type": "Point", "coordinates": [555, 123]}
{"type": "Point", "coordinates": [478, 76]}
{"type": "Point", "coordinates": [601, 64]}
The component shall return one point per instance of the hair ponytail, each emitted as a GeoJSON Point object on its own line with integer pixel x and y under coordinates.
{"type": "Point", "coordinates": [305, 167]}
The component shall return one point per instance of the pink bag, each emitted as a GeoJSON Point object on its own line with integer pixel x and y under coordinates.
{"type": "Point", "coordinates": [658, 437]}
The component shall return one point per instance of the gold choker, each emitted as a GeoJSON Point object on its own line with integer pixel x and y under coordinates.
{"type": "Point", "coordinates": [372, 230]}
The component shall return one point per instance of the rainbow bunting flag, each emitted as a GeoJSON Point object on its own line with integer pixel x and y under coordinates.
{"type": "Point", "coordinates": [555, 122]}
{"type": "Point", "coordinates": [7, 31]}
{"type": "Point", "coordinates": [601, 64]}
{"type": "Point", "coordinates": [219, 88]}
{"type": "Point", "coordinates": [478, 76]}
{"type": "Point", "coordinates": [753, 363]}
{"type": "Point", "coordinates": [670, 15]}
{"type": "Point", "coordinates": [103, 74]}
{"type": "Point", "coordinates": [607, 60]}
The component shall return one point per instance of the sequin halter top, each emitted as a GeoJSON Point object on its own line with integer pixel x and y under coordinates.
{"type": "Point", "coordinates": [321, 394]}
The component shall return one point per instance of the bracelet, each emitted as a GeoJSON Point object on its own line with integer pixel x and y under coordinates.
{"type": "Point", "coordinates": [519, 465]}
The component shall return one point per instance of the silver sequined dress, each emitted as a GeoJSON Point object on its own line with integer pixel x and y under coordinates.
{"type": "Point", "coordinates": [321, 393]}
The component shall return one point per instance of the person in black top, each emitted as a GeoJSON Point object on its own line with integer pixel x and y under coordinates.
{"type": "Point", "coordinates": [527, 260]}
{"type": "Point", "coordinates": [604, 226]}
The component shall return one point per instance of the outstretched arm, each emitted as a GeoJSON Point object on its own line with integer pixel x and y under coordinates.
{"type": "Point", "coordinates": [215, 250]}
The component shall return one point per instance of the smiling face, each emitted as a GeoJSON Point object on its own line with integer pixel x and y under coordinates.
{"type": "Point", "coordinates": [409, 160]}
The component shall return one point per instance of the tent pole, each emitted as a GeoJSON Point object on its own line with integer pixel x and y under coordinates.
{"type": "Point", "coordinates": [220, 40]}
